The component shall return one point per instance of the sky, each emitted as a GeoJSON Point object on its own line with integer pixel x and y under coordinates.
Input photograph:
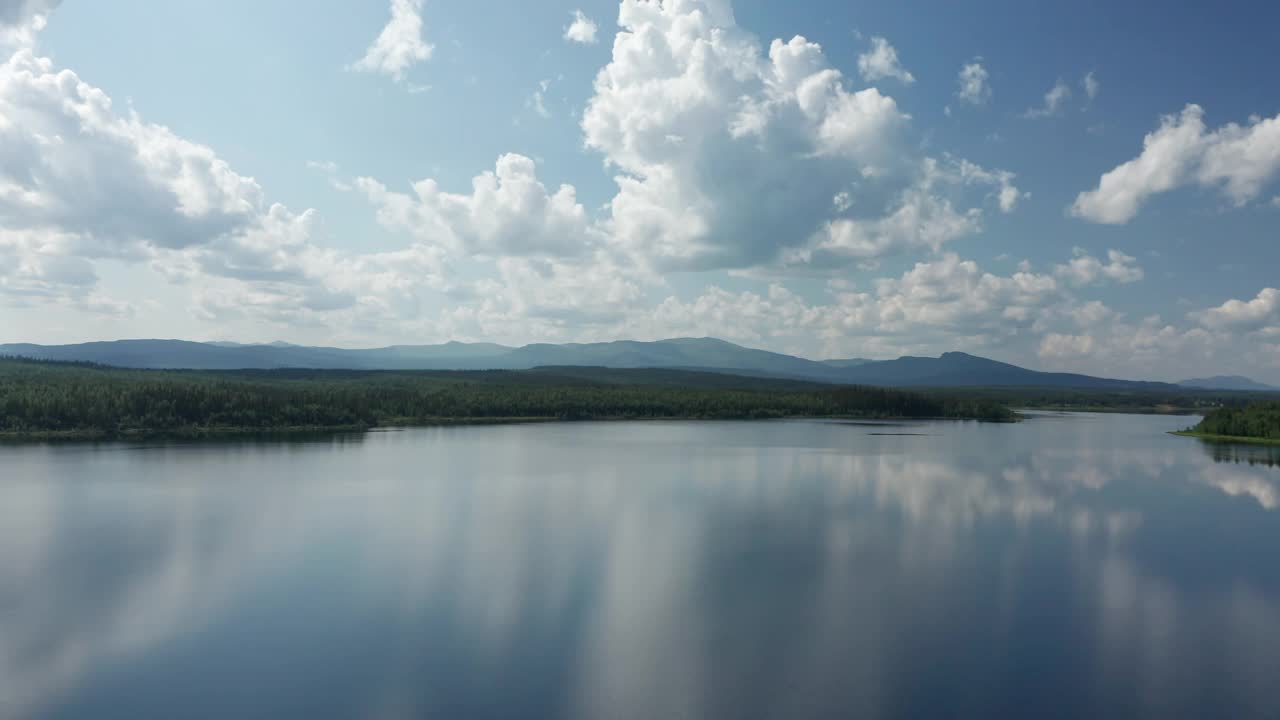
{"type": "Point", "coordinates": [1085, 186]}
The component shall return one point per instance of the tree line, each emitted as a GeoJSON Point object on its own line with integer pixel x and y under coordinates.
{"type": "Point", "coordinates": [43, 397]}
{"type": "Point", "coordinates": [1260, 420]}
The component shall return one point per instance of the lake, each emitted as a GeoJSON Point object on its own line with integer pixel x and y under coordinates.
{"type": "Point", "coordinates": [1065, 566]}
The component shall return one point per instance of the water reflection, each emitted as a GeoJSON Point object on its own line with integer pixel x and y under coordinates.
{"type": "Point", "coordinates": [1064, 566]}
{"type": "Point", "coordinates": [1248, 454]}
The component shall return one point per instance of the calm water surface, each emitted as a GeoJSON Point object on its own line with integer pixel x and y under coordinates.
{"type": "Point", "coordinates": [1067, 566]}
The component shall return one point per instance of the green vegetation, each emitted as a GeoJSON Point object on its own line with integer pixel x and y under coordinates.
{"type": "Point", "coordinates": [1259, 423]}
{"type": "Point", "coordinates": [1183, 401]}
{"type": "Point", "coordinates": [42, 399]}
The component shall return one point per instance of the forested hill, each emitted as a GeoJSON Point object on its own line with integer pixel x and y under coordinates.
{"type": "Point", "coordinates": [1259, 421]}
{"type": "Point", "coordinates": [49, 399]}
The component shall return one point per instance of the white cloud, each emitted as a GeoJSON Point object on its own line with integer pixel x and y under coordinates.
{"type": "Point", "coordinates": [1091, 85]}
{"type": "Point", "coordinates": [922, 218]}
{"type": "Point", "coordinates": [936, 304]}
{"type": "Point", "coordinates": [1146, 347]}
{"type": "Point", "coordinates": [400, 45]}
{"type": "Point", "coordinates": [729, 158]}
{"type": "Point", "coordinates": [581, 30]}
{"type": "Point", "coordinates": [43, 267]}
{"type": "Point", "coordinates": [1058, 345]}
{"type": "Point", "coordinates": [81, 184]}
{"type": "Point", "coordinates": [921, 221]}
{"type": "Point", "coordinates": [68, 161]}
{"type": "Point", "coordinates": [1089, 315]}
{"type": "Point", "coordinates": [881, 61]}
{"type": "Point", "coordinates": [1242, 159]}
{"type": "Point", "coordinates": [975, 87]}
{"type": "Point", "coordinates": [1006, 193]}
{"type": "Point", "coordinates": [21, 20]}
{"type": "Point", "coordinates": [508, 213]}
{"type": "Point", "coordinates": [1239, 159]}
{"type": "Point", "coordinates": [701, 126]}
{"type": "Point", "coordinates": [329, 169]}
{"type": "Point", "coordinates": [1084, 269]}
{"type": "Point", "coordinates": [1264, 309]}
{"type": "Point", "coordinates": [1053, 100]}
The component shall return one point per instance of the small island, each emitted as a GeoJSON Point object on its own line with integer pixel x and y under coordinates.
{"type": "Point", "coordinates": [1256, 423]}
{"type": "Point", "coordinates": [49, 400]}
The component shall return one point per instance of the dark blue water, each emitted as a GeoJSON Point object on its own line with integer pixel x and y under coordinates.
{"type": "Point", "coordinates": [1062, 567]}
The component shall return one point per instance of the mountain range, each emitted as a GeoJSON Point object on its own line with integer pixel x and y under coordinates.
{"type": "Point", "coordinates": [1227, 382]}
{"type": "Point", "coordinates": [952, 369]}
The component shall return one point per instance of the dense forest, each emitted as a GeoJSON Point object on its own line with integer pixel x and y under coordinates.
{"type": "Point", "coordinates": [1187, 400]}
{"type": "Point", "coordinates": [1260, 421]}
{"type": "Point", "coordinates": [42, 398]}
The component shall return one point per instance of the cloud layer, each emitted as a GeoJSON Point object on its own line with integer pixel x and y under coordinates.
{"type": "Point", "coordinates": [757, 193]}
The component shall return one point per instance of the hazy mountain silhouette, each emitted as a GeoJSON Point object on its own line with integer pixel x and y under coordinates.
{"type": "Point", "coordinates": [953, 369]}
{"type": "Point", "coordinates": [1227, 382]}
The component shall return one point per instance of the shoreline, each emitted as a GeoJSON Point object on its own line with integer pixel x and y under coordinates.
{"type": "Point", "coordinates": [1244, 439]}
{"type": "Point", "coordinates": [222, 433]}
{"type": "Point", "coordinates": [1113, 409]}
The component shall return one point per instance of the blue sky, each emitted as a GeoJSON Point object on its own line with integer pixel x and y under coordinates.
{"type": "Point", "coordinates": [414, 172]}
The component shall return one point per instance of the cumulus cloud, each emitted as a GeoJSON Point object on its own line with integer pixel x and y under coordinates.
{"type": "Point", "coordinates": [727, 153]}
{"type": "Point", "coordinates": [730, 157]}
{"type": "Point", "coordinates": [1059, 345]}
{"type": "Point", "coordinates": [975, 86]}
{"type": "Point", "coordinates": [509, 212]}
{"type": "Point", "coordinates": [942, 302]}
{"type": "Point", "coordinates": [1262, 310]}
{"type": "Point", "coordinates": [81, 183]}
{"type": "Point", "coordinates": [1084, 269]}
{"type": "Point", "coordinates": [38, 267]}
{"type": "Point", "coordinates": [400, 45]}
{"type": "Point", "coordinates": [881, 61]}
{"type": "Point", "coordinates": [1239, 159]}
{"type": "Point", "coordinates": [68, 161]}
{"type": "Point", "coordinates": [710, 137]}
{"type": "Point", "coordinates": [949, 303]}
{"type": "Point", "coordinates": [1053, 100]}
{"type": "Point", "coordinates": [1150, 344]}
{"type": "Point", "coordinates": [922, 218]}
{"type": "Point", "coordinates": [582, 30]}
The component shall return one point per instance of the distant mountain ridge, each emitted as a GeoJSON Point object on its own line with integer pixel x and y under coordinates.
{"type": "Point", "coordinates": [953, 369]}
{"type": "Point", "coordinates": [1227, 382]}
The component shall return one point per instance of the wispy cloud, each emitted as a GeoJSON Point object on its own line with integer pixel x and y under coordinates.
{"type": "Point", "coordinates": [582, 30]}
{"type": "Point", "coordinates": [975, 86]}
{"type": "Point", "coordinates": [400, 45]}
{"type": "Point", "coordinates": [1053, 101]}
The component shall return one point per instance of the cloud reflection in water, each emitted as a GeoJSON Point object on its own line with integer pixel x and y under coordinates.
{"type": "Point", "coordinates": [641, 570]}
